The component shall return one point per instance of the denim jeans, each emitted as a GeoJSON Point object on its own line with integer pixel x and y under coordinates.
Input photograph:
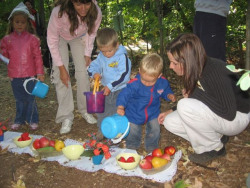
{"type": "Point", "coordinates": [133, 140]}
{"type": "Point", "coordinates": [26, 108]}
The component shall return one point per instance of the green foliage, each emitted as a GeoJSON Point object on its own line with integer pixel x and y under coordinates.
{"type": "Point", "coordinates": [141, 22]}
{"type": "Point", "coordinates": [181, 184]}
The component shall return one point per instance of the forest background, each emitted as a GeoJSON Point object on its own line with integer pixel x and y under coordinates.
{"type": "Point", "coordinates": [154, 22]}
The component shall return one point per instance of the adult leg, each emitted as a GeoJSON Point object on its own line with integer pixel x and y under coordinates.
{"type": "Point", "coordinates": [82, 79]}
{"type": "Point", "coordinates": [64, 94]}
{"type": "Point", "coordinates": [211, 29]}
{"type": "Point", "coordinates": [152, 135]}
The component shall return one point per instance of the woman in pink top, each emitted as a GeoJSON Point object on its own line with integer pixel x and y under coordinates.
{"type": "Point", "coordinates": [70, 20]}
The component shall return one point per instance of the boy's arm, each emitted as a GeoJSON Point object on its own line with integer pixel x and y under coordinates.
{"type": "Point", "coordinates": [94, 67]}
{"type": "Point", "coordinates": [124, 67]}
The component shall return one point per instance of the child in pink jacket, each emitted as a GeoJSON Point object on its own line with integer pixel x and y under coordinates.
{"type": "Point", "coordinates": [22, 48]}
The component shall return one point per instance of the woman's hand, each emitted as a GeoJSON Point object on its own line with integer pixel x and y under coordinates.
{"type": "Point", "coordinates": [64, 76]}
{"type": "Point", "coordinates": [163, 115]}
{"type": "Point", "coordinates": [87, 60]}
{"type": "Point", "coordinates": [120, 110]}
{"type": "Point", "coordinates": [184, 93]}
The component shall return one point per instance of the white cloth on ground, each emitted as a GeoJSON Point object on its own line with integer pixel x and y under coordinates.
{"type": "Point", "coordinates": [85, 163]}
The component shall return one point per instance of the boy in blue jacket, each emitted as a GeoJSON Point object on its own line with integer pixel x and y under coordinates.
{"type": "Point", "coordinates": [140, 102]}
{"type": "Point", "coordinates": [112, 67]}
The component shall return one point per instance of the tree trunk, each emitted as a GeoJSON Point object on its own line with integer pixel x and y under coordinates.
{"type": "Point", "coordinates": [248, 36]}
{"type": "Point", "coordinates": [42, 14]}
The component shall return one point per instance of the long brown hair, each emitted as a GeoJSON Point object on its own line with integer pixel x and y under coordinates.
{"type": "Point", "coordinates": [188, 50]}
{"type": "Point", "coordinates": [30, 28]}
{"type": "Point", "coordinates": [68, 7]}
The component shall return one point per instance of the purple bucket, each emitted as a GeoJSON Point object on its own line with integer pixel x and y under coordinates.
{"type": "Point", "coordinates": [95, 103]}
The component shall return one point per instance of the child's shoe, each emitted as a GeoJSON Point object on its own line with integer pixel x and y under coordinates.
{"type": "Point", "coordinates": [33, 126]}
{"type": "Point", "coordinates": [15, 126]}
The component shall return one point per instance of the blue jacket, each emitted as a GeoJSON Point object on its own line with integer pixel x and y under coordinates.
{"type": "Point", "coordinates": [142, 103]}
{"type": "Point", "coordinates": [115, 70]}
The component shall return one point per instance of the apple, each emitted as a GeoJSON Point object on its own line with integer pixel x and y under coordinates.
{"type": "Point", "coordinates": [166, 156]}
{"type": "Point", "coordinates": [44, 142]}
{"type": "Point", "coordinates": [149, 158]}
{"type": "Point", "coordinates": [52, 143]}
{"type": "Point", "coordinates": [130, 160]}
{"type": "Point", "coordinates": [157, 152]}
{"type": "Point", "coordinates": [122, 159]}
{"type": "Point", "coordinates": [36, 144]}
{"type": "Point", "coordinates": [144, 164]}
{"type": "Point", "coordinates": [169, 150]}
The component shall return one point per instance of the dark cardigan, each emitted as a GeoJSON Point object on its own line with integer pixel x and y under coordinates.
{"type": "Point", "coordinates": [220, 92]}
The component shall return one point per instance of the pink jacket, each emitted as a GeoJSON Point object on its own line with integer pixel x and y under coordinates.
{"type": "Point", "coordinates": [23, 51]}
{"type": "Point", "coordinates": [59, 27]}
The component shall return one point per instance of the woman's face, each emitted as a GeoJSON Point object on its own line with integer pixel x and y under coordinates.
{"type": "Point", "coordinates": [20, 23]}
{"type": "Point", "coordinates": [176, 66]}
{"type": "Point", "coordinates": [81, 8]}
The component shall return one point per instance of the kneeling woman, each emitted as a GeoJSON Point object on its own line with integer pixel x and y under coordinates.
{"type": "Point", "coordinates": [212, 106]}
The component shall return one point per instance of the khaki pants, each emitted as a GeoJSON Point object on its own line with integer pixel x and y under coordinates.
{"type": "Point", "coordinates": [64, 94]}
{"type": "Point", "coordinates": [195, 122]}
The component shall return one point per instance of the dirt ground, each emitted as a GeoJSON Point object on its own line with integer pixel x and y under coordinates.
{"type": "Point", "coordinates": [229, 171]}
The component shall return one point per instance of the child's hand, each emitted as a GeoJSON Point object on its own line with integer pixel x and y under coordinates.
{"type": "Point", "coordinates": [120, 110]}
{"type": "Point", "coordinates": [172, 97]}
{"type": "Point", "coordinates": [97, 76]}
{"type": "Point", "coordinates": [40, 77]}
{"type": "Point", "coordinates": [106, 90]}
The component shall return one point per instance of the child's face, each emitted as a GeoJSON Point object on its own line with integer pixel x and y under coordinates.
{"type": "Point", "coordinates": [148, 80]}
{"type": "Point", "coordinates": [108, 51]}
{"type": "Point", "coordinates": [20, 23]}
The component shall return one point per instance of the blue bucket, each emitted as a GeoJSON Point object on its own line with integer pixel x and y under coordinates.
{"type": "Point", "coordinates": [115, 127]}
{"type": "Point", "coordinates": [40, 90]}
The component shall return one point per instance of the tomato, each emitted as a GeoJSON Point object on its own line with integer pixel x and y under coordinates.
{"type": "Point", "coordinates": [169, 150]}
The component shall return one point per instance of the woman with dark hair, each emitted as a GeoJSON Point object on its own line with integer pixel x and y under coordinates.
{"type": "Point", "coordinates": [212, 106]}
{"type": "Point", "coordinates": [70, 20]}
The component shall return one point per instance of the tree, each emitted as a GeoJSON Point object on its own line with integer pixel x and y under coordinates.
{"type": "Point", "coordinates": [248, 36]}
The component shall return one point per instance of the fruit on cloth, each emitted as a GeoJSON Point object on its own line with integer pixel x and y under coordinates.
{"type": "Point", "coordinates": [166, 156]}
{"type": "Point", "coordinates": [149, 158]}
{"type": "Point", "coordinates": [52, 143]}
{"type": "Point", "coordinates": [158, 162]}
{"type": "Point", "coordinates": [44, 142]}
{"type": "Point", "coordinates": [36, 144]}
{"type": "Point", "coordinates": [130, 160]}
{"type": "Point", "coordinates": [46, 149]}
{"type": "Point", "coordinates": [59, 145]}
{"type": "Point", "coordinates": [145, 164]}
{"type": "Point", "coordinates": [24, 137]}
{"type": "Point", "coordinates": [122, 159]}
{"type": "Point", "coordinates": [157, 152]}
{"type": "Point", "coordinates": [169, 150]}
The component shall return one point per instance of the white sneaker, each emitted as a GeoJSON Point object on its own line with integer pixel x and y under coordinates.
{"type": "Point", "coordinates": [66, 126]}
{"type": "Point", "coordinates": [89, 118]}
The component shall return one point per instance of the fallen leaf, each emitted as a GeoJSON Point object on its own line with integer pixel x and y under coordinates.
{"type": "Point", "coordinates": [231, 157]}
{"type": "Point", "coordinates": [41, 169]}
{"type": "Point", "coordinates": [18, 184]}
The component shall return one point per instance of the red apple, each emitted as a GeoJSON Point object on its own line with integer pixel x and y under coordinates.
{"type": "Point", "coordinates": [144, 164]}
{"type": "Point", "coordinates": [157, 152]}
{"type": "Point", "coordinates": [149, 158]}
{"type": "Point", "coordinates": [36, 144]}
{"type": "Point", "coordinates": [52, 143]}
{"type": "Point", "coordinates": [130, 160]}
{"type": "Point", "coordinates": [44, 142]}
{"type": "Point", "coordinates": [166, 156]}
{"type": "Point", "coordinates": [169, 150]}
{"type": "Point", "coordinates": [122, 159]}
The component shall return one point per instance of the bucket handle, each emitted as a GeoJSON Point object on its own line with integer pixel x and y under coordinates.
{"type": "Point", "coordinates": [25, 83]}
{"type": "Point", "coordinates": [115, 141]}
